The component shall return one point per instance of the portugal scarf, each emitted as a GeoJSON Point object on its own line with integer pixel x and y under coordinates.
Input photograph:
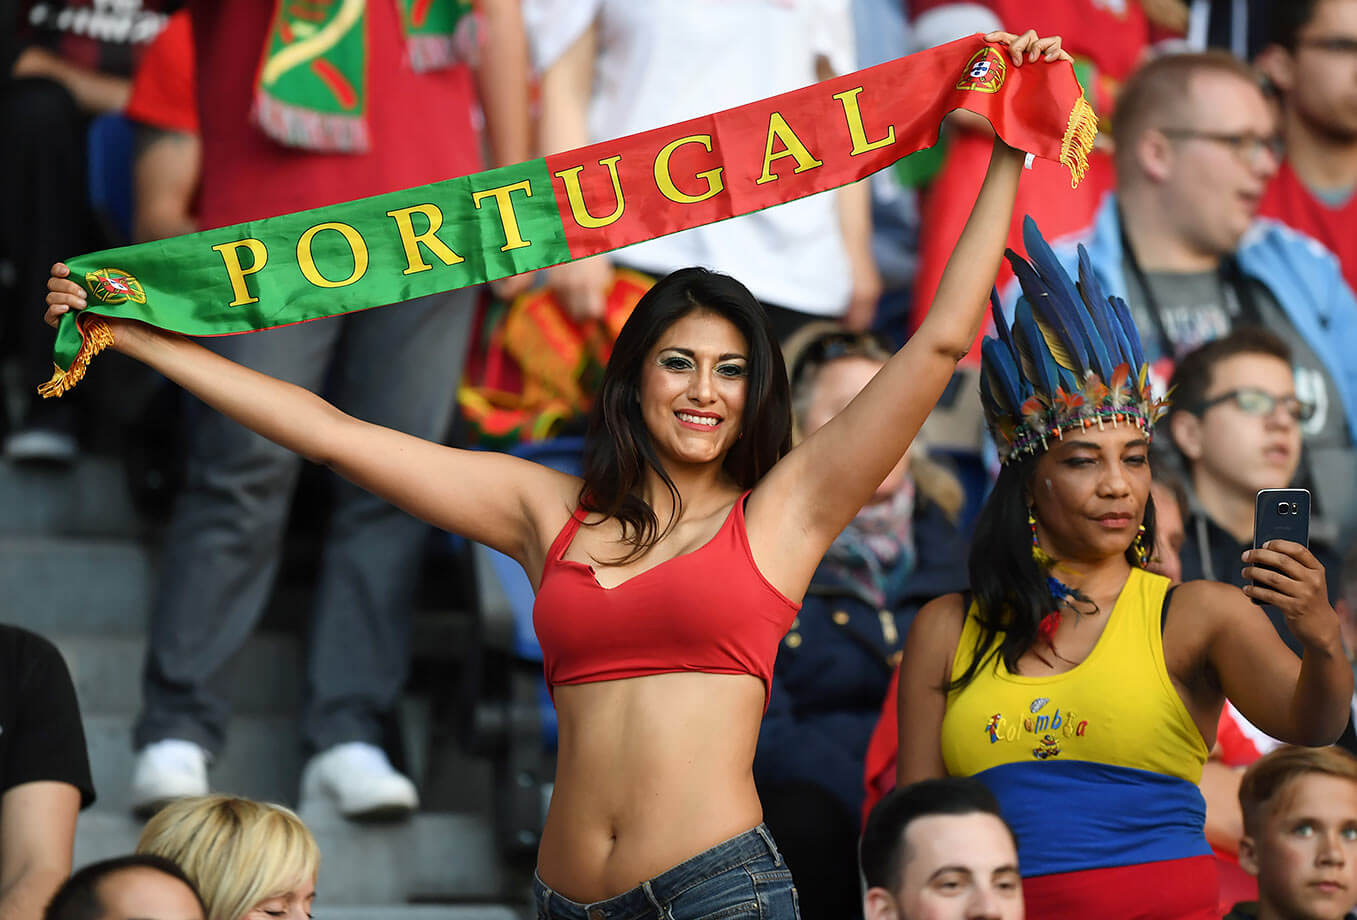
{"type": "Point", "coordinates": [472, 229]}
{"type": "Point", "coordinates": [312, 85]}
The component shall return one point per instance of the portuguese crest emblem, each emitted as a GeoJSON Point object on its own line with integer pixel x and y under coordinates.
{"type": "Point", "coordinates": [114, 286]}
{"type": "Point", "coordinates": [985, 72]}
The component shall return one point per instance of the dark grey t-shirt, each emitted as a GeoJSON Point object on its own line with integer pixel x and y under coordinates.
{"type": "Point", "coordinates": [1197, 307]}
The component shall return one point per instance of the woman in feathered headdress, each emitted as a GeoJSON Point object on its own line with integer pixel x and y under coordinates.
{"type": "Point", "coordinates": [1081, 688]}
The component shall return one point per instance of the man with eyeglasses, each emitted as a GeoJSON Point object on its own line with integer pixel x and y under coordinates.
{"type": "Point", "coordinates": [1312, 63]}
{"type": "Point", "coordinates": [1180, 240]}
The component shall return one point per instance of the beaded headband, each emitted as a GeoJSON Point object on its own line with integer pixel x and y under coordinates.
{"type": "Point", "coordinates": [1072, 358]}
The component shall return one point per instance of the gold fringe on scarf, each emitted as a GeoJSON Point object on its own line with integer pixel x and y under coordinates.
{"type": "Point", "coordinates": [1078, 140]}
{"type": "Point", "coordinates": [96, 336]}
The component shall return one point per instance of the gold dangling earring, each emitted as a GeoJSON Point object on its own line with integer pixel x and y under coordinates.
{"type": "Point", "coordinates": [1040, 556]}
{"type": "Point", "coordinates": [1142, 552]}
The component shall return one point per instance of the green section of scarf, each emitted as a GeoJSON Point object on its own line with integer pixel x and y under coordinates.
{"type": "Point", "coordinates": [313, 79]}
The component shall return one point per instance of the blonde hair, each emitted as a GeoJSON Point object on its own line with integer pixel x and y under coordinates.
{"type": "Point", "coordinates": [1269, 775]}
{"type": "Point", "coordinates": [237, 851]}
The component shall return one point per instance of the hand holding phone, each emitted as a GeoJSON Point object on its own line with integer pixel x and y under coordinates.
{"type": "Point", "coordinates": [1283, 571]}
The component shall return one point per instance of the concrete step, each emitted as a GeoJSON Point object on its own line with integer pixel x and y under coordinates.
{"type": "Point", "coordinates": [262, 759]}
{"type": "Point", "coordinates": [432, 857]}
{"type": "Point", "coordinates": [264, 678]}
{"type": "Point", "coordinates": [89, 498]}
{"type": "Point", "coordinates": [75, 585]}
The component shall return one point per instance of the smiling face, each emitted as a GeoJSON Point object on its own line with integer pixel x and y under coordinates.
{"type": "Point", "coordinates": [294, 904]}
{"type": "Point", "coordinates": [1305, 855]}
{"type": "Point", "coordinates": [693, 389]}
{"type": "Point", "coordinates": [957, 867]}
{"type": "Point", "coordinates": [1088, 492]}
{"type": "Point", "coordinates": [1234, 451]}
{"type": "Point", "coordinates": [1211, 190]}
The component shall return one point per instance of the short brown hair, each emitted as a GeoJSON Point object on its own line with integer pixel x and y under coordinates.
{"type": "Point", "coordinates": [1192, 375]}
{"type": "Point", "coordinates": [1160, 87]}
{"type": "Point", "coordinates": [1270, 774]}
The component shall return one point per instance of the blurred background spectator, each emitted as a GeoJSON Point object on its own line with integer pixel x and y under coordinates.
{"type": "Point", "coordinates": [1311, 62]}
{"type": "Point", "coordinates": [249, 860]}
{"type": "Point", "coordinates": [611, 68]}
{"type": "Point", "coordinates": [224, 540]}
{"type": "Point", "coordinates": [64, 63]}
{"type": "Point", "coordinates": [902, 550]}
{"type": "Point", "coordinates": [137, 887]}
{"type": "Point", "coordinates": [44, 772]}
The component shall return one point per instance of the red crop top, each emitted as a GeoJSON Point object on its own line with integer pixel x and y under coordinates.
{"type": "Point", "coordinates": [709, 610]}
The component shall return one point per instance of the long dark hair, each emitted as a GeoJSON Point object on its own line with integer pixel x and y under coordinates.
{"type": "Point", "coordinates": [1012, 595]}
{"type": "Point", "coordinates": [619, 449]}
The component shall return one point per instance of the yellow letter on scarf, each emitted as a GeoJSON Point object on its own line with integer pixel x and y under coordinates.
{"type": "Point", "coordinates": [414, 261]}
{"type": "Point", "coordinates": [849, 100]}
{"type": "Point", "coordinates": [665, 182]}
{"type": "Point", "coordinates": [504, 203]}
{"type": "Point", "coordinates": [308, 262]}
{"type": "Point", "coordinates": [571, 178]}
{"type": "Point", "coordinates": [791, 147]}
{"type": "Point", "coordinates": [230, 254]}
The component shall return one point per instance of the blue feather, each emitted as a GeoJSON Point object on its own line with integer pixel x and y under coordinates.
{"type": "Point", "coordinates": [1045, 262]}
{"type": "Point", "coordinates": [1123, 314]}
{"type": "Point", "coordinates": [999, 378]}
{"type": "Point", "coordinates": [1105, 344]}
{"type": "Point", "coordinates": [996, 310]}
{"type": "Point", "coordinates": [1037, 362]}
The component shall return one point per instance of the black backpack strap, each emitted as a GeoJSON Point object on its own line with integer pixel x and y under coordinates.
{"type": "Point", "coordinates": [1164, 613]}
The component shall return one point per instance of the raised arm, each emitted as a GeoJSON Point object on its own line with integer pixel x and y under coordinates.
{"type": "Point", "coordinates": [510, 504]}
{"type": "Point", "coordinates": [818, 488]}
{"type": "Point", "coordinates": [1301, 702]}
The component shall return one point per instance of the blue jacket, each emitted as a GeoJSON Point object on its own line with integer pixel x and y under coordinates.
{"type": "Point", "coordinates": [1303, 275]}
{"type": "Point", "coordinates": [834, 665]}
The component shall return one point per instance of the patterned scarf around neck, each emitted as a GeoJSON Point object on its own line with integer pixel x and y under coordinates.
{"type": "Point", "coordinates": [875, 554]}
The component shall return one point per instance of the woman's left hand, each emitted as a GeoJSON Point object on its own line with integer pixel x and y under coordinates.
{"type": "Point", "coordinates": [1289, 577]}
{"type": "Point", "coordinates": [1031, 45]}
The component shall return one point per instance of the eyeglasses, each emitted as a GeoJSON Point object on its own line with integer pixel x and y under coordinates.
{"type": "Point", "coordinates": [1333, 44]}
{"type": "Point", "coordinates": [1253, 401]}
{"type": "Point", "coordinates": [831, 346]}
{"type": "Point", "coordinates": [1246, 145]}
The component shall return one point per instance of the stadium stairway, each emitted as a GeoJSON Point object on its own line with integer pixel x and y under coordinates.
{"type": "Point", "coordinates": [77, 563]}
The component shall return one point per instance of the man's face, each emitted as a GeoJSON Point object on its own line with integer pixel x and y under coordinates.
{"type": "Point", "coordinates": [1322, 76]}
{"type": "Point", "coordinates": [1215, 166]}
{"type": "Point", "coordinates": [142, 893]}
{"type": "Point", "coordinates": [1233, 448]}
{"type": "Point", "coordinates": [957, 867]}
{"type": "Point", "coordinates": [1305, 856]}
{"type": "Point", "coordinates": [1168, 534]}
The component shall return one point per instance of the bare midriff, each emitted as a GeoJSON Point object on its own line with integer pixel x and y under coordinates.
{"type": "Point", "coordinates": [650, 771]}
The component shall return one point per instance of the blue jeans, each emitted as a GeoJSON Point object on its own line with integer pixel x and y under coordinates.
{"type": "Point", "coordinates": [743, 877]}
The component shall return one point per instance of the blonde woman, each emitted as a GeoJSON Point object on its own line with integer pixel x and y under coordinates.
{"type": "Point", "coordinates": [250, 860]}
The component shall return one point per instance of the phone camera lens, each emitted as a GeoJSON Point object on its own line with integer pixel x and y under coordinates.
{"type": "Point", "coordinates": [1282, 507]}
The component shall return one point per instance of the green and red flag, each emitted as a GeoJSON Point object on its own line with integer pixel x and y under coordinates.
{"type": "Point", "coordinates": [477, 228]}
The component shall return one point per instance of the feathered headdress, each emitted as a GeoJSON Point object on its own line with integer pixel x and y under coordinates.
{"type": "Point", "coordinates": [1071, 359]}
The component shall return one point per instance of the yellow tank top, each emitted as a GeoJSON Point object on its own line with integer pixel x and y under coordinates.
{"type": "Point", "coordinates": [1096, 767]}
{"type": "Point", "coordinates": [1117, 707]}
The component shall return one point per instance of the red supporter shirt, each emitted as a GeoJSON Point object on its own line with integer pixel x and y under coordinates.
{"type": "Point", "coordinates": [421, 125]}
{"type": "Point", "coordinates": [164, 90]}
{"type": "Point", "coordinates": [1288, 200]}
{"type": "Point", "coordinates": [1107, 39]}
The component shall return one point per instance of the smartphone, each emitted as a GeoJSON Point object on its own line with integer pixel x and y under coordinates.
{"type": "Point", "coordinates": [1282, 514]}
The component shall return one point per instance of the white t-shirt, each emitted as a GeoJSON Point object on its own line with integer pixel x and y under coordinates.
{"type": "Point", "coordinates": [663, 61]}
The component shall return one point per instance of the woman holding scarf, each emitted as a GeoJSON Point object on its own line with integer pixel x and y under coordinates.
{"type": "Point", "coordinates": [668, 573]}
{"type": "Point", "coordinates": [1081, 688]}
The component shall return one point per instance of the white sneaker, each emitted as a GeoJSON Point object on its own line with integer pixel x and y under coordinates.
{"type": "Point", "coordinates": [361, 782]}
{"type": "Point", "coordinates": [166, 770]}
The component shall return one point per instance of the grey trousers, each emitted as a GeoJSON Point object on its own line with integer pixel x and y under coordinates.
{"type": "Point", "coordinates": [397, 366]}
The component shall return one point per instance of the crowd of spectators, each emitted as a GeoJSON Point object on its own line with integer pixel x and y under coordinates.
{"type": "Point", "coordinates": [1220, 206]}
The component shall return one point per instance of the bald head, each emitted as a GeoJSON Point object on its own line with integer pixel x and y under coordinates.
{"type": "Point", "coordinates": [129, 888]}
